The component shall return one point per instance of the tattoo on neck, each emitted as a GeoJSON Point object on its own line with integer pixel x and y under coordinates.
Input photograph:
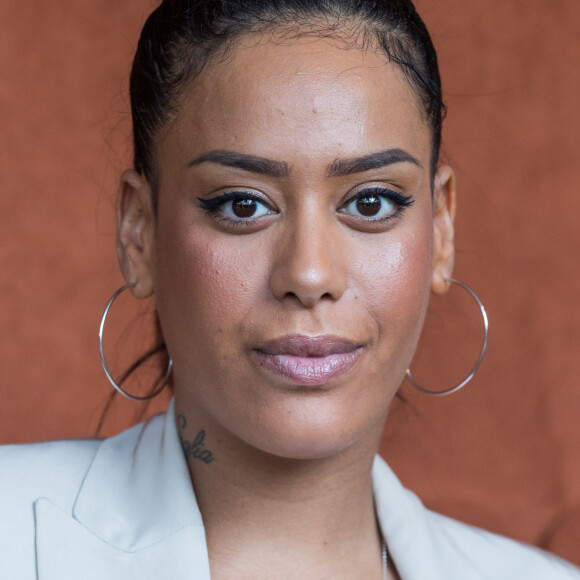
{"type": "Point", "coordinates": [194, 448]}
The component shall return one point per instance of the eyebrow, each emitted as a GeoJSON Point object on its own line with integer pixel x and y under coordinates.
{"type": "Point", "coordinates": [280, 169]}
{"type": "Point", "coordinates": [342, 167]}
{"type": "Point", "coordinates": [243, 161]}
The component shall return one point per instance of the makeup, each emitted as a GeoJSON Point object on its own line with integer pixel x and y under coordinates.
{"type": "Point", "coordinates": [293, 256]}
{"type": "Point", "coordinates": [308, 360]}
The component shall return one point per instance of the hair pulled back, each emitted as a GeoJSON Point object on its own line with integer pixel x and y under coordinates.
{"type": "Point", "coordinates": [181, 36]}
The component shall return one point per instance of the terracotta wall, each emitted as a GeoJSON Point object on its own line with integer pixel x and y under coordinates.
{"type": "Point", "coordinates": [504, 453]}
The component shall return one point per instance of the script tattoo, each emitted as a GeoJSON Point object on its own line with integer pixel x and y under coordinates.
{"type": "Point", "coordinates": [195, 448]}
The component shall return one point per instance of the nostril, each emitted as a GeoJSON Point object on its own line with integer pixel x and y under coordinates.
{"type": "Point", "coordinates": [307, 299]}
{"type": "Point", "coordinates": [305, 277]}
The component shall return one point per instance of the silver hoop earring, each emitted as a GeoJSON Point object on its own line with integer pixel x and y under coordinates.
{"type": "Point", "coordinates": [104, 362]}
{"type": "Point", "coordinates": [481, 354]}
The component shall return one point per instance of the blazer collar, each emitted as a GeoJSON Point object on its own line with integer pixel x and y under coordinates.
{"type": "Point", "coordinates": [405, 526]}
{"type": "Point", "coordinates": [140, 481]}
{"type": "Point", "coordinates": [135, 510]}
{"type": "Point", "coordinates": [136, 516]}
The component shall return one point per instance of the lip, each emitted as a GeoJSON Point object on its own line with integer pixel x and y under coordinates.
{"type": "Point", "coordinates": [308, 360]}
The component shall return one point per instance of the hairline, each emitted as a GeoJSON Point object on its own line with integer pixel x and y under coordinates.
{"type": "Point", "coordinates": [267, 31]}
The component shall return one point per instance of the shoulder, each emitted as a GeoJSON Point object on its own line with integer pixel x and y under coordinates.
{"type": "Point", "coordinates": [54, 474]}
{"type": "Point", "coordinates": [427, 544]}
{"type": "Point", "coordinates": [29, 472]}
{"type": "Point", "coordinates": [83, 509]}
{"type": "Point", "coordinates": [487, 555]}
{"type": "Point", "coordinates": [53, 468]}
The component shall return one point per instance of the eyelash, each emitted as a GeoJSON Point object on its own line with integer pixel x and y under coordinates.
{"type": "Point", "coordinates": [213, 205]}
{"type": "Point", "coordinates": [402, 202]}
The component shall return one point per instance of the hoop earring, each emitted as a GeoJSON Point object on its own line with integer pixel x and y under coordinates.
{"type": "Point", "coordinates": [104, 362]}
{"type": "Point", "coordinates": [459, 386]}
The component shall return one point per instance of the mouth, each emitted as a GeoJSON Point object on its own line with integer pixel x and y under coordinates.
{"type": "Point", "coordinates": [308, 360]}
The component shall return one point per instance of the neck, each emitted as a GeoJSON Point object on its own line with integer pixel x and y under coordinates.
{"type": "Point", "coordinates": [263, 513]}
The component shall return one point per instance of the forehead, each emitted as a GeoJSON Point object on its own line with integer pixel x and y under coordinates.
{"type": "Point", "coordinates": [310, 98]}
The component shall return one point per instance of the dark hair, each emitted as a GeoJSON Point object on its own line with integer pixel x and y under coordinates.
{"type": "Point", "coordinates": [181, 36]}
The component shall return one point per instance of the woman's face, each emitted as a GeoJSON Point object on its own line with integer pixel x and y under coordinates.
{"type": "Point", "coordinates": [292, 254]}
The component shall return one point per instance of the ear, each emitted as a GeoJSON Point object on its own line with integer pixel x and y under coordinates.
{"type": "Point", "coordinates": [444, 200]}
{"type": "Point", "coordinates": [135, 232]}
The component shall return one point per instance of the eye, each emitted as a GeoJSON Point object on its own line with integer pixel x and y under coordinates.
{"type": "Point", "coordinates": [371, 205]}
{"type": "Point", "coordinates": [244, 208]}
{"type": "Point", "coordinates": [377, 204]}
{"type": "Point", "coordinates": [236, 206]}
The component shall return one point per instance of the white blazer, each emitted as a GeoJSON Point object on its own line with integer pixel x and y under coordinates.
{"type": "Point", "coordinates": [123, 508]}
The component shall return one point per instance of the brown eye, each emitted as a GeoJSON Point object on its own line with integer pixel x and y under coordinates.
{"type": "Point", "coordinates": [377, 204]}
{"type": "Point", "coordinates": [237, 207]}
{"type": "Point", "coordinates": [368, 206]}
{"type": "Point", "coordinates": [244, 208]}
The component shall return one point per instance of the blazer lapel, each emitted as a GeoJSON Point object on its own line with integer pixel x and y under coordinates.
{"type": "Point", "coordinates": [403, 522]}
{"type": "Point", "coordinates": [135, 515]}
{"type": "Point", "coordinates": [66, 550]}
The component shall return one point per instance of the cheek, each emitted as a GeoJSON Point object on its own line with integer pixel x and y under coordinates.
{"type": "Point", "coordinates": [204, 289]}
{"type": "Point", "coordinates": [395, 281]}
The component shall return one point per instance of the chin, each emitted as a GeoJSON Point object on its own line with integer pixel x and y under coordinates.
{"type": "Point", "coordinates": [310, 435]}
{"type": "Point", "coordinates": [305, 450]}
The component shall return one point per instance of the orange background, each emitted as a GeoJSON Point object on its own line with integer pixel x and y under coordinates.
{"type": "Point", "coordinates": [504, 453]}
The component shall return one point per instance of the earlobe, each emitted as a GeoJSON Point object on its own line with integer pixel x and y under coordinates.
{"type": "Point", "coordinates": [444, 204]}
{"type": "Point", "coordinates": [135, 230]}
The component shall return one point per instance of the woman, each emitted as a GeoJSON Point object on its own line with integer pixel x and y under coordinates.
{"type": "Point", "coordinates": [288, 213]}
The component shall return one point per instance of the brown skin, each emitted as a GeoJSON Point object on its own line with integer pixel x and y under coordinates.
{"type": "Point", "coordinates": [289, 492]}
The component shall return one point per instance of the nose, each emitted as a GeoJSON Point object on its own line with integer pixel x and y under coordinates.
{"type": "Point", "coordinates": [309, 264]}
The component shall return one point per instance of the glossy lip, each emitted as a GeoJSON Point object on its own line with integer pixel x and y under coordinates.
{"type": "Point", "coordinates": [308, 360]}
